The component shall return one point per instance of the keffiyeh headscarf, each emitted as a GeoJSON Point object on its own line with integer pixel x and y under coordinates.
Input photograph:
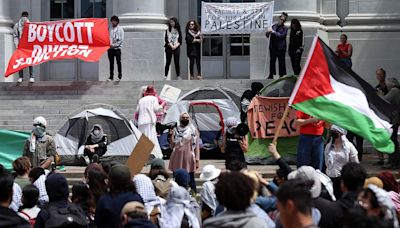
{"type": "Point", "coordinates": [231, 123]}
{"type": "Point", "coordinates": [386, 204]}
{"type": "Point", "coordinates": [96, 137]}
{"type": "Point", "coordinates": [345, 142]}
{"type": "Point", "coordinates": [180, 131]}
{"type": "Point", "coordinates": [208, 196]}
{"type": "Point", "coordinates": [145, 188]}
{"type": "Point", "coordinates": [178, 204]}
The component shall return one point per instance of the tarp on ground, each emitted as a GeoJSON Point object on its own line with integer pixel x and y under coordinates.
{"type": "Point", "coordinates": [258, 147]}
{"type": "Point", "coordinates": [11, 146]}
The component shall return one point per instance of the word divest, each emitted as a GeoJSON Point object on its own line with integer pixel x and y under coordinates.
{"type": "Point", "coordinates": [86, 39]}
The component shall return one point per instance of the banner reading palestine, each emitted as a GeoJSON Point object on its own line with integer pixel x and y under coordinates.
{"type": "Point", "coordinates": [86, 39]}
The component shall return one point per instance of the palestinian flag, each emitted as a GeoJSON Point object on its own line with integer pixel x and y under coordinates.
{"type": "Point", "coordinates": [329, 90]}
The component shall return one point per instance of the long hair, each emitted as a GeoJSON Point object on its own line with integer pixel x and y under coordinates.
{"type": "Point", "coordinates": [297, 25]}
{"type": "Point", "coordinates": [196, 27]}
{"type": "Point", "coordinates": [82, 195]}
{"type": "Point", "coordinates": [177, 25]}
{"type": "Point", "coordinates": [97, 183]}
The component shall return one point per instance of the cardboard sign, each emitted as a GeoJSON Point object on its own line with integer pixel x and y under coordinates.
{"type": "Point", "coordinates": [86, 39]}
{"type": "Point", "coordinates": [264, 115]}
{"type": "Point", "coordinates": [170, 93]}
{"type": "Point", "coordinates": [140, 155]}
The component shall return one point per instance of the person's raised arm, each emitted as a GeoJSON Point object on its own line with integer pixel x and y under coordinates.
{"type": "Point", "coordinates": [301, 122]}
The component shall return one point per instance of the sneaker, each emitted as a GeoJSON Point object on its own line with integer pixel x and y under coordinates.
{"type": "Point", "coordinates": [118, 79]}
{"type": "Point", "coordinates": [31, 80]}
{"type": "Point", "coordinates": [109, 79]}
{"type": "Point", "coordinates": [178, 78]}
{"type": "Point", "coordinates": [95, 158]}
{"type": "Point", "coordinates": [165, 77]}
{"type": "Point", "coordinates": [19, 80]}
{"type": "Point", "coordinates": [87, 161]}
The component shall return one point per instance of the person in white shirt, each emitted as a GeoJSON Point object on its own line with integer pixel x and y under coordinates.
{"type": "Point", "coordinates": [338, 152]}
{"type": "Point", "coordinates": [147, 108]}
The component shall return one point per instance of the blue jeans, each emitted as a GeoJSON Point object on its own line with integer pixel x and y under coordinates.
{"type": "Point", "coordinates": [310, 151]}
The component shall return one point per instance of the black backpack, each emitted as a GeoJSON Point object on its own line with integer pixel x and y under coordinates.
{"type": "Point", "coordinates": [70, 216]}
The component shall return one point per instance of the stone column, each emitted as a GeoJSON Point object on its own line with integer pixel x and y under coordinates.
{"type": "Point", "coordinates": [307, 11]}
{"type": "Point", "coordinates": [6, 42]}
{"type": "Point", "coordinates": [144, 23]}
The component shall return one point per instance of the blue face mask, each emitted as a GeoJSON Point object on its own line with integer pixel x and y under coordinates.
{"type": "Point", "coordinates": [39, 131]}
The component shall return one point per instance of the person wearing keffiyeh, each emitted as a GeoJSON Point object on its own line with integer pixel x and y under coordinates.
{"type": "Point", "coordinates": [186, 152]}
{"type": "Point", "coordinates": [145, 188]}
{"type": "Point", "coordinates": [180, 210]}
{"type": "Point", "coordinates": [40, 147]}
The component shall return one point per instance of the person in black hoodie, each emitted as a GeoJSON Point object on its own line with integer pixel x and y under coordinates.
{"type": "Point", "coordinates": [57, 189]}
{"type": "Point", "coordinates": [96, 143]}
{"type": "Point", "coordinates": [296, 45]}
{"type": "Point", "coordinates": [8, 217]}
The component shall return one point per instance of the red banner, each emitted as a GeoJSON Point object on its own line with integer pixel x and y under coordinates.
{"type": "Point", "coordinates": [264, 115]}
{"type": "Point", "coordinates": [85, 39]}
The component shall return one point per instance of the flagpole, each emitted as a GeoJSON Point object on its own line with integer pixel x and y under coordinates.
{"type": "Point", "coordinates": [278, 129]}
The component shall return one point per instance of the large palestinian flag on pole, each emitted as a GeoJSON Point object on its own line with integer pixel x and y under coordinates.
{"type": "Point", "coordinates": [329, 90]}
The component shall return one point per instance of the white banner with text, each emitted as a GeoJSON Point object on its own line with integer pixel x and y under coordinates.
{"type": "Point", "coordinates": [236, 18]}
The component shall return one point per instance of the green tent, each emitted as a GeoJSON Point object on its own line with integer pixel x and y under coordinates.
{"type": "Point", "coordinates": [258, 148]}
{"type": "Point", "coordinates": [11, 146]}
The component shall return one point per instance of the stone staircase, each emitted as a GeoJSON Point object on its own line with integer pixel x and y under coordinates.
{"type": "Point", "coordinates": [20, 103]}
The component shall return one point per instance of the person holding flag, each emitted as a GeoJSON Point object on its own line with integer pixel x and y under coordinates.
{"type": "Point", "coordinates": [329, 90]}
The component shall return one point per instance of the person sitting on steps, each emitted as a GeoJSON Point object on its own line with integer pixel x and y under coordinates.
{"type": "Point", "coordinates": [96, 144]}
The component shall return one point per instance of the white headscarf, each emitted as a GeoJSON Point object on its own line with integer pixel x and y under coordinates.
{"type": "Point", "coordinates": [208, 196]}
{"type": "Point", "coordinates": [178, 204]}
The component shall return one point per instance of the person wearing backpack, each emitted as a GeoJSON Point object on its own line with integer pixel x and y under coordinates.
{"type": "Point", "coordinates": [60, 212]}
{"type": "Point", "coordinates": [29, 209]}
{"type": "Point", "coordinates": [17, 34]}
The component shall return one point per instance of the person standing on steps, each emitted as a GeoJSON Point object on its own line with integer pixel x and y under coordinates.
{"type": "Point", "coordinates": [296, 45]}
{"type": "Point", "coordinates": [173, 41]}
{"type": "Point", "coordinates": [193, 44]}
{"type": "Point", "coordinates": [345, 50]}
{"type": "Point", "coordinates": [18, 29]}
{"type": "Point", "coordinates": [116, 39]}
{"type": "Point", "coordinates": [277, 46]}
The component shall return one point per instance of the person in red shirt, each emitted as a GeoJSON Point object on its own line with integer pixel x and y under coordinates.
{"type": "Point", "coordinates": [345, 50]}
{"type": "Point", "coordinates": [310, 149]}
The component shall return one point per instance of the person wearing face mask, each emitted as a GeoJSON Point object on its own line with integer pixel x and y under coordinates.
{"type": "Point", "coordinates": [96, 144]}
{"type": "Point", "coordinates": [186, 152]}
{"type": "Point", "coordinates": [338, 152]}
{"type": "Point", "coordinates": [40, 147]}
{"type": "Point", "coordinates": [235, 145]}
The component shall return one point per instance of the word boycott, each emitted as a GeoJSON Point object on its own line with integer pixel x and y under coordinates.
{"type": "Point", "coordinates": [80, 32]}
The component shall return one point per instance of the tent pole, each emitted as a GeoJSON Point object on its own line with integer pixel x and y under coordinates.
{"type": "Point", "coordinates": [278, 130]}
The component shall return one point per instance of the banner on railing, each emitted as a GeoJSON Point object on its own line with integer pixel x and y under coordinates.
{"type": "Point", "coordinates": [86, 39]}
{"type": "Point", "coordinates": [236, 18]}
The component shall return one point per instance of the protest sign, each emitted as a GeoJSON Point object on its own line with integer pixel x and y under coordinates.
{"type": "Point", "coordinates": [236, 18]}
{"type": "Point", "coordinates": [85, 39]}
{"type": "Point", "coordinates": [264, 115]}
{"type": "Point", "coordinates": [170, 93]}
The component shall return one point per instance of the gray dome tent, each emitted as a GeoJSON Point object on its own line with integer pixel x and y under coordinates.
{"type": "Point", "coordinates": [122, 134]}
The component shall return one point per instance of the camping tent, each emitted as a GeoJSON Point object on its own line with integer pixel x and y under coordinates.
{"type": "Point", "coordinates": [257, 153]}
{"type": "Point", "coordinates": [208, 108]}
{"type": "Point", "coordinates": [122, 134]}
{"type": "Point", "coordinates": [11, 146]}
